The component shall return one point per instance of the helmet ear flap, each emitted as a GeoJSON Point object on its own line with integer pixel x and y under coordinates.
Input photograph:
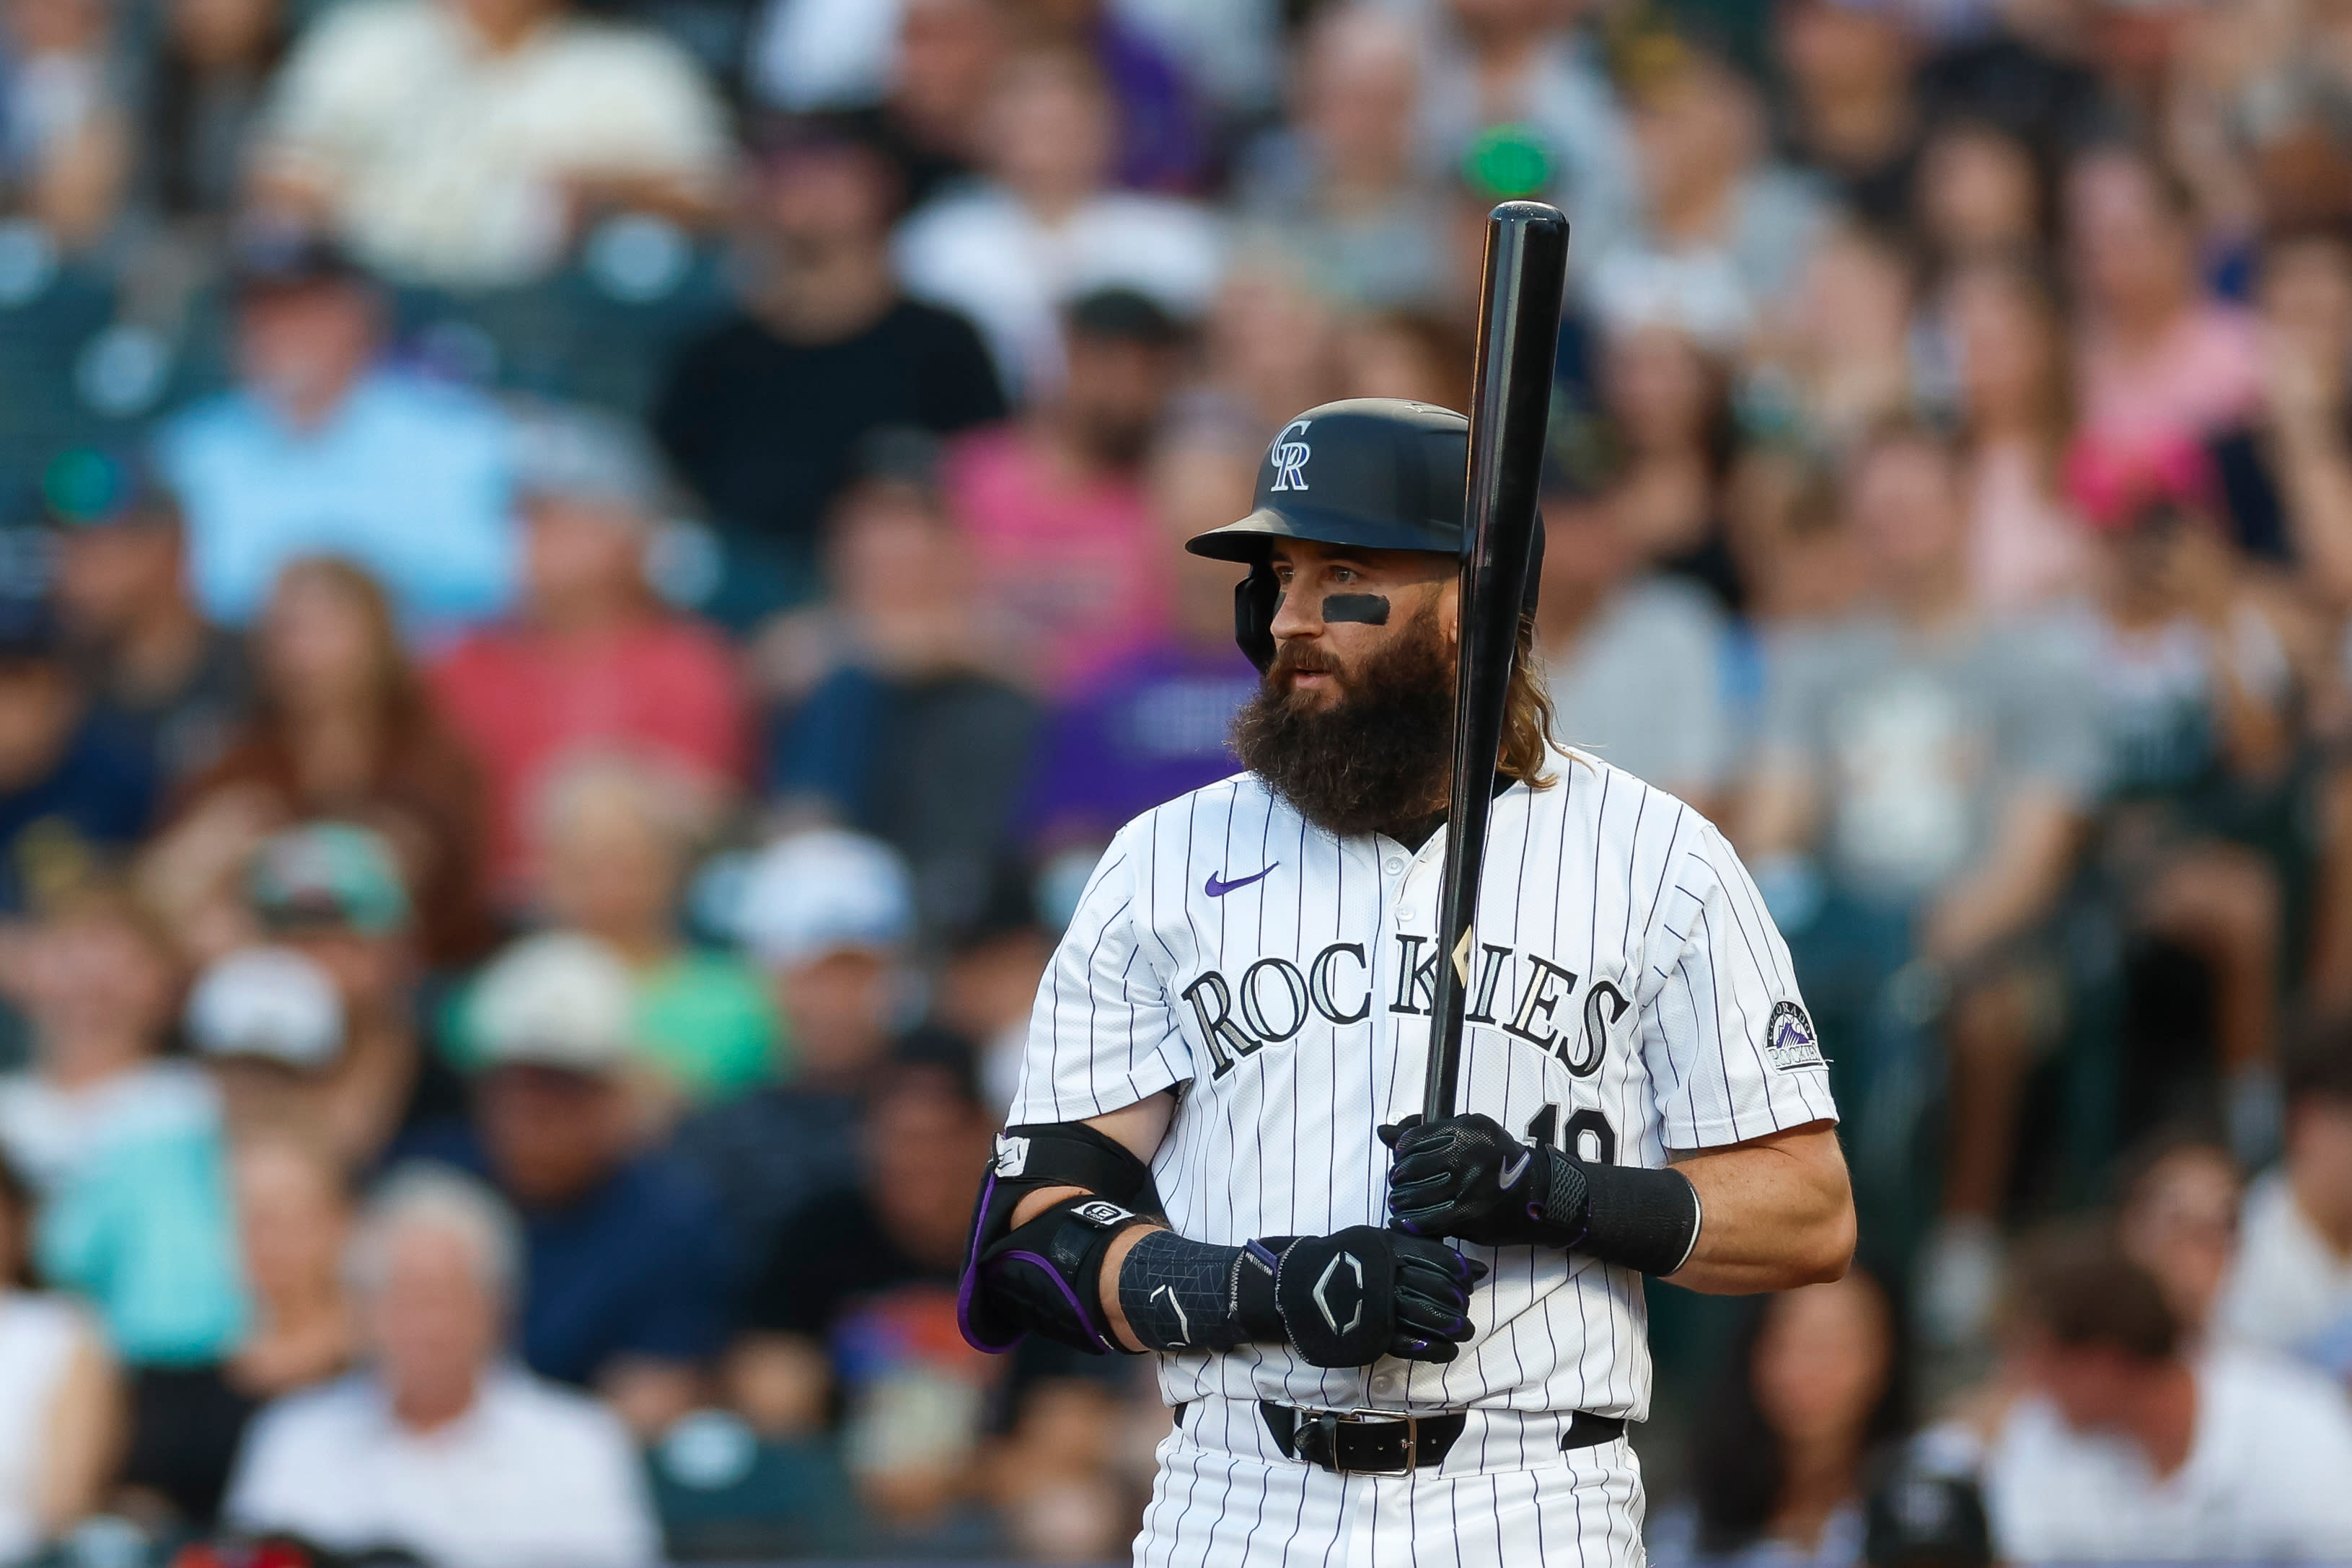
{"type": "Point", "coordinates": [1254, 598]}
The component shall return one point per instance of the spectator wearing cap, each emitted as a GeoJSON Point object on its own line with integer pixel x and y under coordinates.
{"type": "Point", "coordinates": [1061, 533]}
{"type": "Point", "coordinates": [123, 1147]}
{"type": "Point", "coordinates": [593, 661]}
{"type": "Point", "coordinates": [625, 1292]}
{"type": "Point", "coordinates": [76, 787]}
{"type": "Point", "coordinates": [896, 719]}
{"type": "Point", "coordinates": [1338, 190]}
{"type": "Point", "coordinates": [267, 1023]}
{"type": "Point", "coordinates": [829, 916]}
{"type": "Point", "coordinates": [2290, 1288]}
{"type": "Point", "coordinates": [465, 143]}
{"type": "Point", "coordinates": [611, 848]}
{"type": "Point", "coordinates": [441, 1449]}
{"type": "Point", "coordinates": [321, 448]}
{"type": "Point", "coordinates": [764, 414]}
{"type": "Point", "coordinates": [1010, 251]}
{"type": "Point", "coordinates": [855, 1301]}
{"type": "Point", "coordinates": [346, 729]}
{"type": "Point", "coordinates": [293, 1218]}
{"type": "Point", "coordinates": [1513, 93]}
{"type": "Point", "coordinates": [2128, 1449]}
{"type": "Point", "coordinates": [146, 654]}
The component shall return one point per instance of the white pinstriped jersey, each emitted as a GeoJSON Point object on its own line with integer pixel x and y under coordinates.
{"type": "Point", "coordinates": [1629, 995]}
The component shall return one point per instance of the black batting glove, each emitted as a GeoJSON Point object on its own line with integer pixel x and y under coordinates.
{"type": "Point", "coordinates": [1467, 1177]}
{"type": "Point", "coordinates": [1351, 1299]}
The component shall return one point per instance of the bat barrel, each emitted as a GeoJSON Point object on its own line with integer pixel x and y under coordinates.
{"type": "Point", "coordinates": [1518, 337]}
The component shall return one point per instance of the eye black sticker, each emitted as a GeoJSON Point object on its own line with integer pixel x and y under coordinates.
{"type": "Point", "coordinates": [1370, 609]}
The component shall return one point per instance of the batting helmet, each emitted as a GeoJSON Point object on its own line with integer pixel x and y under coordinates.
{"type": "Point", "coordinates": [1381, 473]}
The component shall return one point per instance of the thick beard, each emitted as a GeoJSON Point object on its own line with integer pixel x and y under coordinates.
{"type": "Point", "coordinates": [1380, 757]}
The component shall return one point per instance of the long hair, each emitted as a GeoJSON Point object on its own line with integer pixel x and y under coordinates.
{"type": "Point", "coordinates": [397, 693]}
{"type": "Point", "coordinates": [1528, 716]}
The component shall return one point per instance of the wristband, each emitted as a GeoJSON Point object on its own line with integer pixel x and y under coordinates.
{"type": "Point", "coordinates": [1645, 1219]}
{"type": "Point", "coordinates": [1183, 1295]}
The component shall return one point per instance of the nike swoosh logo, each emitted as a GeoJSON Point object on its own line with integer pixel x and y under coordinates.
{"type": "Point", "coordinates": [1514, 1169]}
{"type": "Point", "coordinates": [1217, 889]}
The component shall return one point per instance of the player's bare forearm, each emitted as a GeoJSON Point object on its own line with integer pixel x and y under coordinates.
{"type": "Point", "coordinates": [1779, 1212]}
{"type": "Point", "coordinates": [1137, 1128]}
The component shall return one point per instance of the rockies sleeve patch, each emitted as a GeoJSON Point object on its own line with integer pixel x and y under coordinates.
{"type": "Point", "coordinates": [1789, 1040]}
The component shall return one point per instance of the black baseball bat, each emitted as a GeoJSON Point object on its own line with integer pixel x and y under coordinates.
{"type": "Point", "coordinates": [1519, 335]}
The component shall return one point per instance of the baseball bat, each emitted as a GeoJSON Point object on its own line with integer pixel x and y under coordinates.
{"type": "Point", "coordinates": [1519, 336]}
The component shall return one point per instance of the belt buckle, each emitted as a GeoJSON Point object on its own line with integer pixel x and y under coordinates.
{"type": "Point", "coordinates": [1410, 1422]}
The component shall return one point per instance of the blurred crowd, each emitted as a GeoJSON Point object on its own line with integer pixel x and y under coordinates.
{"type": "Point", "coordinates": [582, 580]}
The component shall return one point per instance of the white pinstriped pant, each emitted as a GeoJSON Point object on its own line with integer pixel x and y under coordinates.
{"type": "Point", "coordinates": [1505, 1497]}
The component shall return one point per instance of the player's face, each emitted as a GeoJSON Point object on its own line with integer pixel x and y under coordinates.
{"type": "Point", "coordinates": [1342, 607]}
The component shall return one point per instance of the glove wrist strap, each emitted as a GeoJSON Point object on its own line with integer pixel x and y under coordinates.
{"type": "Point", "coordinates": [1644, 1220]}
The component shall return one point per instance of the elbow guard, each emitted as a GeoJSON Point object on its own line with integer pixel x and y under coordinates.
{"type": "Point", "coordinates": [1045, 1275]}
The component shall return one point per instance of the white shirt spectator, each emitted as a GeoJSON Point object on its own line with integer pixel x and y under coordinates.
{"type": "Point", "coordinates": [1643, 687]}
{"type": "Point", "coordinates": [983, 253]}
{"type": "Point", "coordinates": [2268, 1478]}
{"type": "Point", "coordinates": [533, 1476]}
{"type": "Point", "coordinates": [2288, 1286]}
{"type": "Point", "coordinates": [446, 163]}
{"type": "Point", "coordinates": [40, 1337]}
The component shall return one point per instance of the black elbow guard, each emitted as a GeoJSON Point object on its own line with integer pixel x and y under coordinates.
{"type": "Point", "coordinates": [1045, 1275]}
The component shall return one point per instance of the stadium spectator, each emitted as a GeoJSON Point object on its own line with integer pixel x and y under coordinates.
{"type": "Point", "coordinates": [908, 733]}
{"type": "Point", "coordinates": [614, 841]}
{"type": "Point", "coordinates": [469, 142]}
{"type": "Point", "coordinates": [1636, 660]}
{"type": "Point", "coordinates": [65, 137]}
{"type": "Point", "coordinates": [855, 1302]}
{"type": "Point", "coordinates": [268, 1025]}
{"type": "Point", "coordinates": [1149, 726]}
{"type": "Point", "coordinates": [1785, 1443]}
{"type": "Point", "coordinates": [60, 1395]}
{"type": "Point", "coordinates": [1724, 231]}
{"type": "Point", "coordinates": [1840, 350]}
{"type": "Point", "coordinates": [1978, 195]}
{"type": "Point", "coordinates": [2290, 1288]}
{"type": "Point", "coordinates": [1924, 770]}
{"type": "Point", "coordinates": [2193, 687]}
{"type": "Point", "coordinates": [2179, 1220]}
{"type": "Point", "coordinates": [591, 662]}
{"type": "Point", "coordinates": [1060, 532]}
{"type": "Point", "coordinates": [1011, 252]}
{"type": "Point", "coordinates": [625, 1289]}
{"type": "Point", "coordinates": [2026, 544]}
{"type": "Point", "coordinates": [764, 414]}
{"type": "Point", "coordinates": [124, 1149]}
{"type": "Point", "coordinates": [146, 654]}
{"type": "Point", "coordinates": [829, 915]}
{"type": "Point", "coordinates": [211, 71]}
{"type": "Point", "coordinates": [1667, 402]}
{"type": "Point", "coordinates": [76, 788]}
{"type": "Point", "coordinates": [293, 1211]}
{"type": "Point", "coordinates": [441, 1448]}
{"type": "Point", "coordinates": [1851, 114]}
{"type": "Point", "coordinates": [323, 449]}
{"type": "Point", "coordinates": [2156, 356]}
{"type": "Point", "coordinates": [346, 731]}
{"type": "Point", "coordinates": [1514, 91]}
{"type": "Point", "coordinates": [1337, 192]}
{"type": "Point", "coordinates": [2128, 1450]}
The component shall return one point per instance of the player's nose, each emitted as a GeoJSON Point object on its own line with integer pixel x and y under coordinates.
{"type": "Point", "coordinates": [1297, 613]}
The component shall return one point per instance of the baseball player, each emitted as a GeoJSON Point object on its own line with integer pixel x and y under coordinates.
{"type": "Point", "coordinates": [1386, 1342]}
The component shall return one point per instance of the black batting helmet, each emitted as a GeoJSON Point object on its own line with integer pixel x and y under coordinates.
{"type": "Point", "coordinates": [1382, 473]}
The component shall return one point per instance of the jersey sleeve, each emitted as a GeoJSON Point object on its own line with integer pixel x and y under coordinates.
{"type": "Point", "coordinates": [1102, 1035]}
{"type": "Point", "coordinates": [1730, 1048]}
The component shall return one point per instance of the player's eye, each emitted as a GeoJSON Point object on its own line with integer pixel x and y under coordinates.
{"type": "Point", "coordinates": [1345, 574]}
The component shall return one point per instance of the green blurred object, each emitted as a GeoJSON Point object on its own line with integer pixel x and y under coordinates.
{"type": "Point", "coordinates": [329, 875]}
{"type": "Point", "coordinates": [1509, 160]}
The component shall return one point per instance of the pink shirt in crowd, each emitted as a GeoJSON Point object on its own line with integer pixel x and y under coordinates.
{"type": "Point", "coordinates": [2201, 376]}
{"type": "Point", "coordinates": [2025, 545]}
{"type": "Point", "coordinates": [528, 702]}
{"type": "Point", "coordinates": [1072, 566]}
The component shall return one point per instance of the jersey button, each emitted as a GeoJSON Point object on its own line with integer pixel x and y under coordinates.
{"type": "Point", "coordinates": [1395, 866]}
{"type": "Point", "coordinates": [1387, 1385]}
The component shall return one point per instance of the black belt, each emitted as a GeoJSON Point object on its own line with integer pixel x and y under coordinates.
{"type": "Point", "coordinates": [1381, 1443]}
